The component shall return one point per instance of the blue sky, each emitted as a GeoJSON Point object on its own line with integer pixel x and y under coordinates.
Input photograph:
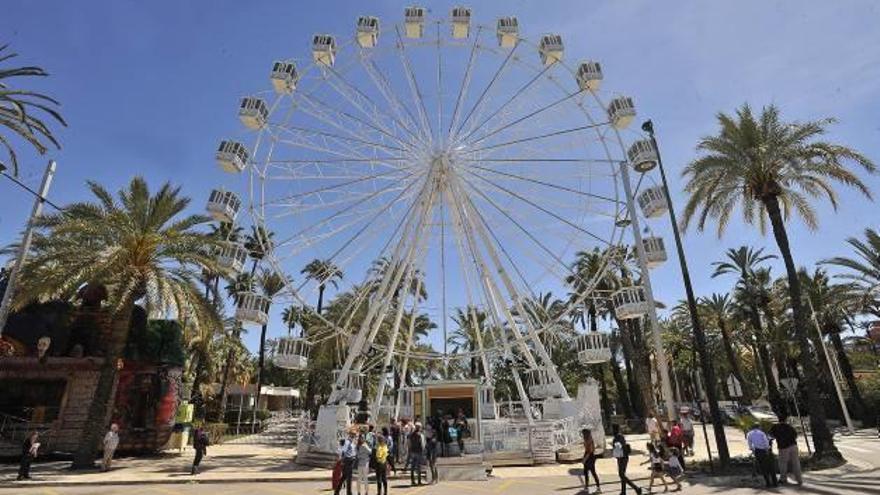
{"type": "Point", "coordinates": [150, 87]}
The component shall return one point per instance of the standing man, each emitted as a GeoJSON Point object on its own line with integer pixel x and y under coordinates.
{"type": "Point", "coordinates": [789, 457]}
{"type": "Point", "coordinates": [620, 451]}
{"type": "Point", "coordinates": [687, 427]}
{"type": "Point", "coordinates": [759, 444]}
{"type": "Point", "coordinates": [111, 441]}
{"type": "Point", "coordinates": [416, 454]}
{"type": "Point", "coordinates": [348, 456]}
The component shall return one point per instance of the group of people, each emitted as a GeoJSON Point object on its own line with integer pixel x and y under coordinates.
{"type": "Point", "coordinates": [31, 447]}
{"type": "Point", "coordinates": [410, 445]}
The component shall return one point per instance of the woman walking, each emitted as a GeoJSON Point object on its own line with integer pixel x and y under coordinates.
{"type": "Point", "coordinates": [590, 461]}
{"type": "Point", "coordinates": [620, 451]}
{"type": "Point", "coordinates": [658, 469]}
{"type": "Point", "coordinates": [363, 465]}
{"type": "Point", "coordinates": [381, 465]}
{"type": "Point", "coordinates": [200, 445]}
{"type": "Point", "coordinates": [28, 452]}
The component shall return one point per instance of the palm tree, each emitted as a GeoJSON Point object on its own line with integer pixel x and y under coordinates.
{"type": "Point", "coordinates": [471, 328]}
{"type": "Point", "coordinates": [291, 316]}
{"type": "Point", "coordinates": [17, 109]}
{"type": "Point", "coordinates": [772, 168]}
{"type": "Point", "coordinates": [834, 306]}
{"type": "Point", "coordinates": [863, 270]}
{"type": "Point", "coordinates": [271, 283]}
{"type": "Point", "coordinates": [719, 309]}
{"type": "Point", "coordinates": [140, 250]}
{"type": "Point", "coordinates": [323, 272]}
{"type": "Point", "coordinates": [258, 243]}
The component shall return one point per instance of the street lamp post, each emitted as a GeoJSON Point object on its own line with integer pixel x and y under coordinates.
{"type": "Point", "coordinates": [698, 333]}
{"type": "Point", "coordinates": [25, 245]}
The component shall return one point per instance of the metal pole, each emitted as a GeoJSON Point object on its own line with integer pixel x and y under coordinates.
{"type": "Point", "coordinates": [697, 328]}
{"type": "Point", "coordinates": [834, 377]}
{"type": "Point", "coordinates": [25, 243]}
{"type": "Point", "coordinates": [797, 411]}
{"type": "Point", "coordinates": [662, 365]}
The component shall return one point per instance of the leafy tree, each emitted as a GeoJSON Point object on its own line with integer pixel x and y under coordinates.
{"type": "Point", "coordinates": [21, 111]}
{"type": "Point", "coordinates": [141, 250]}
{"type": "Point", "coordinates": [772, 168]}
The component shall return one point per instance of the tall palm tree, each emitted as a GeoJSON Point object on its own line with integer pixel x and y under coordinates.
{"type": "Point", "coordinates": [271, 283]}
{"type": "Point", "coordinates": [773, 167]}
{"type": "Point", "coordinates": [835, 306]}
{"type": "Point", "coordinates": [258, 243]}
{"type": "Point", "coordinates": [470, 327]}
{"type": "Point", "coordinates": [291, 316]}
{"type": "Point", "coordinates": [719, 309]}
{"type": "Point", "coordinates": [323, 272]}
{"type": "Point", "coordinates": [21, 111]}
{"type": "Point", "coordinates": [140, 249]}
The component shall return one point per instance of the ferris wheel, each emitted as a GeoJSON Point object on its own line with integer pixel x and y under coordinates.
{"type": "Point", "coordinates": [442, 167]}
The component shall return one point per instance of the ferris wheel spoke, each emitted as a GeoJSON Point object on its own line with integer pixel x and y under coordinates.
{"type": "Point", "coordinates": [401, 111]}
{"type": "Point", "coordinates": [540, 136]}
{"type": "Point", "coordinates": [369, 108]}
{"type": "Point", "coordinates": [317, 102]}
{"type": "Point", "coordinates": [414, 88]}
{"type": "Point", "coordinates": [338, 137]}
{"type": "Point", "coordinates": [539, 207]}
{"type": "Point", "coordinates": [439, 100]}
{"type": "Point", "coordinates": [322, 144]}
{"type": "Point", "coordinates": [335, 186]}
{"type": "Point", "coordinates": [548, 184]}
{"type": "Point", "coordinates": [465, 84]}
{"type": "Point", "coordinates": [515, 122]}
{"type": "Point", "coordinates": [481, 98]}
{"type": "Point", "coordinates": [525, 87]}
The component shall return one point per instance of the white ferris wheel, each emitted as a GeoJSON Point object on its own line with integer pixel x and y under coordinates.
{"type": "Point", "coordinates": [466, 162]}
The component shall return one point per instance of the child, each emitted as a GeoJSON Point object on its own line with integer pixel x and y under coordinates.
{"type": "Point", "coordinates": [674, 468]}
{"type": "Point", "coordinates": [657, 468]}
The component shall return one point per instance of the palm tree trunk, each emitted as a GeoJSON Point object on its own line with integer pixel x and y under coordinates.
{"type": "Point", "coordinates": [224, 382]}
{"type": "Point", "coordinates": [734, 361]}
{"type": "Point", "coordinates": [773, 395]}
{"type": "Point", "coordinates": [822, 438]}
{"type": "Point", "coordinates": [846, 368]}
{"type": "Point", "coordinates": [641, 376]}
{"type": "Point", "coordinates": [260, 364]}
{"type": "Point", "coordinates": [105, 391]}
{"type": "Point", "coordinates": [620, 385]}
{"type": "Point", "coordinates": [320, 298]}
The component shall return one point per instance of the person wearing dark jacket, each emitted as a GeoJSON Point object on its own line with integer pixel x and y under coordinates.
{"type": "Point", "coordinates": [200, 445]}
{"type": "Point", "coordinates": [28, 452]}
{"type": "Point", "coordinates": [620, 451]}
{"type": "Point", "coordinates": [789, 457]}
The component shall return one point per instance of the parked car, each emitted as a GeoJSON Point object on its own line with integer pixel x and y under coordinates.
{"type": "Point", "coordinates": [761, 413]}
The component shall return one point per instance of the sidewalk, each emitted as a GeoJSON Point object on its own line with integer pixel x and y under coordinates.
{"type": "Point", "coordinates": [238, 462]}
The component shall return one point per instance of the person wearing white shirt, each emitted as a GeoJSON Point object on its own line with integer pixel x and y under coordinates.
{"type": "Point", "coordinates": [111, 441]}
{"type": "Point", "coordinates": [759, 444]}
{"type": "Point", "coordinates": [653, 427]}
{"type": "Point", "coordinates": [687, 427]}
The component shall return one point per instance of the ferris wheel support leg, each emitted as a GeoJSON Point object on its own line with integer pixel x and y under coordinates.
{"type": "Point", "coordinates": [516, 299]}
{"type": "Point", "coordinates": [660, 355]}
{"type": "Point", "coordinates": [496, 309]}
{"type": "Point", "coordinates": [405, 366]}
{"type": "Point", "coordinates": [385, 292]}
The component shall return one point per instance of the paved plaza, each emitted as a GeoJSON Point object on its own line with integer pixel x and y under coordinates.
{"type": "Point", "coordinates": [254, 469]}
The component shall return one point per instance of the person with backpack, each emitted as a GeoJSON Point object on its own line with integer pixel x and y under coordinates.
{"type": "Point", "coordinates": [381, 465]}
{"type": "Point", "coordinates": [462, 430]}
{"type": "Point", "coordinates": [621, 451]}
{"type": "Point", "coordinates": [416, 454]}
{"type": "Point", "coordinates": [200, 445]}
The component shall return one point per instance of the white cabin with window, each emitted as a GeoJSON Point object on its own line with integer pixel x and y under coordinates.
{"type": "Point", "coordinates": [621, 112]}
{"type": "Point", "coordinates": [252, 308]}
{"type": "Point", "coordinates": [232, 256]}
{"type": "Point", "coordinates": [542, 385]}
{"type": "Point", "coordinates": [589, 76]}
{"type": "Point", "coordinates": [292, 353]}
{"type": "Point", "coordinates": [284, 77]}
{"type": "Point", "coordinates": [350, 390]}
{"type": "Point", "coordinates": [253, 112]}
{"type": "Point", "coordinates": [414, 22]}
{"type": "Point", "coordinates": [642, 155]}
{"type": "Point", "coordinates": [232, 156]}
{"type": "Point", "coordinates": [652, 201]}
{"type": "Point", "coordinates": [630, 303]}
{"type": "Point", "coordinates": [655, 251]}
{"type": "Point", "coordinates": [593, 348]}
{"type": "Point", "coordinates": [551, 49]}
{"type": "Point", "coordinates": [508, 32]}
{"type": "Point", "coordinates": [324, 49]}
{"type": "Point", "coordinates": [367, 31]}
{"type": "Point", "coordinates": [461, 22]}
{"type": "Point", "coordinates": [223, 205]}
